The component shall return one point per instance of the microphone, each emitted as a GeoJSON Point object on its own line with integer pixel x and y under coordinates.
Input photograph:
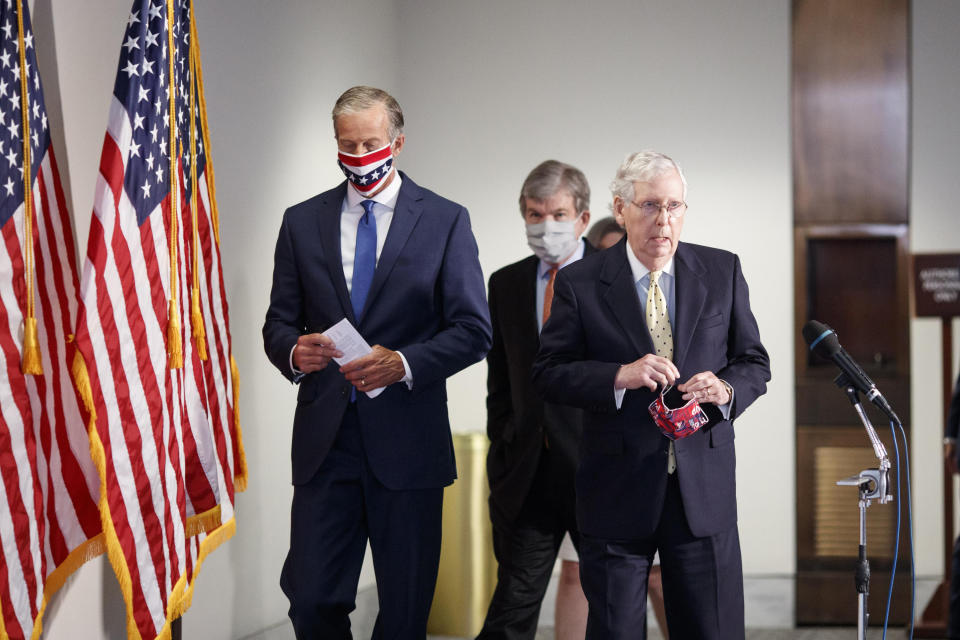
{"type": "Point", "coordinates": [824, 342]}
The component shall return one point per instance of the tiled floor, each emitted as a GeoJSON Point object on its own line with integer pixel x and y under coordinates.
{"type": "Point", "coordinates": [285, 632]}
{"type": "Point", "coordinates": [818, 633]}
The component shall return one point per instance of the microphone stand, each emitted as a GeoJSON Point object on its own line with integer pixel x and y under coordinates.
{"type": "Point", "coordinates": [873, 484]}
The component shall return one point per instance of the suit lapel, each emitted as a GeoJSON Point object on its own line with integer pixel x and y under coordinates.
{"type": "Point", "coordinates": [329, 223]}
{"type": "Point", "coordinates": [526, 304]}
{"type": "Point", "coordinates": [621, 296]}
{"type": "Point", "coordinates": [691, 294]}
{"type": "Point", "coordinates": [405, 217]}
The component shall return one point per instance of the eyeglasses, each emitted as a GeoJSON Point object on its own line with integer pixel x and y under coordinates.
{"type": "Point", "coordinates": [674, 208]}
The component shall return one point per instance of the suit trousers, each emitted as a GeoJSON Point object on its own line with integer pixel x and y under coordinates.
{"type": "Point", "coordinates": [527, 553]}
{"type": "Point", "coordinates": [332, 517]}
{"type": "Point", "coordinates": [702, 579]}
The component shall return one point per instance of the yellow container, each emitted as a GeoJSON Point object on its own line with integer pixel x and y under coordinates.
{"type": "Point", "coordinates": [468, 569]}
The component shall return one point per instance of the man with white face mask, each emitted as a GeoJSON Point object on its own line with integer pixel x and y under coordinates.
{"type": "Point", "coordinates": [533, 444]}
{"type": "Point", "coordinates": [400, 263]}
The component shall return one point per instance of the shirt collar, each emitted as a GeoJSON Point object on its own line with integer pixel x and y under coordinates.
{"type": "Point", "coordinates": [387, 197]}
{"type": "Point", "coordinates": [544, 267]}
{"type": "Point", "coordinates": [639, 270]}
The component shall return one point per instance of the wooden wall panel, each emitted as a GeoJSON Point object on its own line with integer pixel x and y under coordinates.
{"type": "Point", "coordinates": [850, 100]}
{"type": "Point", "coordinates": [850, 135]}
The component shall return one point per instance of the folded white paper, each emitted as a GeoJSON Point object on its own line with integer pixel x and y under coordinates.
{"type": "Point", "coordinates": [349, 342]}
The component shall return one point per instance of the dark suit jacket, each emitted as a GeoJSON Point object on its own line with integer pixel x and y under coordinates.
{"type": "Point", "coordinates": [596, 324]}
{"type": "Point", "coordinates": [517, 417]}
{"type": "Point", "coordinates": [953, 416]}
{"type": "Point", "coordinates": [426, 300]}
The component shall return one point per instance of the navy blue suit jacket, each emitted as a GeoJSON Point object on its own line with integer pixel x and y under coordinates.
{"type": "Point", "coordinates": [426, 300]}
{"type": "Point", "coordinates": [596, 324]}
{"type": "Point", "coordinates": [518, 419]}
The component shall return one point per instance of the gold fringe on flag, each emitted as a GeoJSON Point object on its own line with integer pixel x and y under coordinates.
{"type": "Point", "coordinates": [211, 182]}
{"type": "Point", "coordinates": [31, 363]}
{"type": "Point", "coordinates": [81, 380]}
{"type": "Point", "coordinates": [240, 473]}
{"type": "Point", "coordinates": [203, 522]}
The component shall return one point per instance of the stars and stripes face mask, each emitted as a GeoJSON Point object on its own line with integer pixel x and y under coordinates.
{"type": "Point", "coordinates": [675, 418]}
{"type": "Point", "coordinates": [367, 171]}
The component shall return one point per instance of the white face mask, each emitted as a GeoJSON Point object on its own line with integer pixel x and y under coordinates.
{"type": "Point", "coordinates": [553, 240]}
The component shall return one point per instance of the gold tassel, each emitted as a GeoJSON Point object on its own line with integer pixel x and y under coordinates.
{"type": "Point", "coordinates": [31, 364]}
{"type": "Point", "coordinates": [199, 332]}
{"type": "Point", "coordinates": [174, 344]}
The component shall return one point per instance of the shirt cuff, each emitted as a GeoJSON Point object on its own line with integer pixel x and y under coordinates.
{"type": "Point", "coordinates": [297, 374]}
{"type": "Point", "coordinates": [725, 408]}
{"type": "Point", "coordinates": [407, 375]}
{"type": "Point", "coordinates": [618, 396]}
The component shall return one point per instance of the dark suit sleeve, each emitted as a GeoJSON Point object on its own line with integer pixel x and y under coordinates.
{"type": "Point", "coordinates": [560, 373]}
{"type": "Point", "coordinates": [285, 320]}
{"type": "Point", "coordinates": [748, 365]}
{"type": "Point", "coordinates": [464, 337]}
{"type": "Point", "coordinates": [953, 416]}
{"type": "Point", "coordinates": [499, 402]}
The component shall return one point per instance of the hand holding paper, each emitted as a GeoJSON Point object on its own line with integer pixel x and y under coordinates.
{"type": "Point", "coordinates": [368, 369]}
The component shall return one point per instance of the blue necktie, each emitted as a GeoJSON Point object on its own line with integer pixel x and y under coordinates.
{"type": "Point", "coordinates": [364, 259]}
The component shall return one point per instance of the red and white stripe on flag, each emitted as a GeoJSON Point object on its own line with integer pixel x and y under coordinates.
{"type": "Point", "coordinates": [165, 441]}
{"type": "Point", "coordinates": [49, 522]}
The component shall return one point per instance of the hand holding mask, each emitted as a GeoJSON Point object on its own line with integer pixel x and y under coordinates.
{"type": "Point", "coordinates": [675, 418]}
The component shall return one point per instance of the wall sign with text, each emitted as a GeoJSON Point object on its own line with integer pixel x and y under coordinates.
{"type": "Point", "coordinates": [936, 284]}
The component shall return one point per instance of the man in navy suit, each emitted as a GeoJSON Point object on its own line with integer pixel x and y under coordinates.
{"type": "Point", "coordinates": [400, 263]}
{"type": "Point", "coordinates": [626, 322]}
{"type": "Point", "coordinates": [533, 444]}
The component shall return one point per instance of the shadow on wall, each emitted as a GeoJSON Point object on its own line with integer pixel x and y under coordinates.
{"type": "Point", "coordinates": [45, 41]}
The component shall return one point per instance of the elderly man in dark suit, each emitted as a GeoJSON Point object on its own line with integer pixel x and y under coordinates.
{"type": "Point", "coordinates": [648, 313]}
{"type": "Point", "coordinates": [372, 448]}
{"type": "Point", "coordinates": [533, 444]}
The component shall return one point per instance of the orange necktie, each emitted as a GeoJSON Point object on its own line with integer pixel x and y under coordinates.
{"type": "Point", "coordinates": [548, 294]}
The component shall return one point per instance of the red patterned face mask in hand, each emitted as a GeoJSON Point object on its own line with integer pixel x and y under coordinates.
{"type": "Point", "coordinates": [676, 419]}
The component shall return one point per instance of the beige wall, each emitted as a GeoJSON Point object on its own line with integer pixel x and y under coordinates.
{"type": "Point", "coordinates": [490, 89]}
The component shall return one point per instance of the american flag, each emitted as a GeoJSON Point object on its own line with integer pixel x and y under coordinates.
{"type": "Point", "coordinates": [164, 436]}
{"type": "Point", "coordinates": [49, 523]}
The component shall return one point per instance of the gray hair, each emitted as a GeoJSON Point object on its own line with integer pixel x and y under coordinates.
{"type": "Point", "coordinates": [361, 98]}
{"type": "Point", "coordinates": [549, 177]}
{"type": "Point", "coordinates": [643, 166]}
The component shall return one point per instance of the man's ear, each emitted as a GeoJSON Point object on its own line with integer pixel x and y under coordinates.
{"type": "Point", "coordinates": [618, 210]}
{"type": "Point", "coordinates": [583, 222]}
{"type": "Point", "coordinates": [398, 145]}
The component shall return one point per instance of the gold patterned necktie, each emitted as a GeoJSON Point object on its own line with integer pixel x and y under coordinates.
{"type": "Point", "coordinates": [658, 320]}
{"type": "Point", "coordinates": [658, 323]}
